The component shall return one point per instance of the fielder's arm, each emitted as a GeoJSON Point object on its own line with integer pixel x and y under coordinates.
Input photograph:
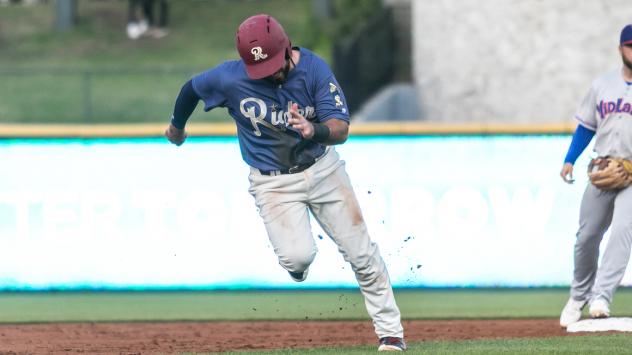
{"type": "Point", "coordinates": [581, 139]}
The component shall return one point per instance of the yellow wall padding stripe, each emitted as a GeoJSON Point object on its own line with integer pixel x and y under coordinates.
{"type": "Point", "coordinates": [426, 128]}
{"type": "Point", "coordinates": [229, 129]}
{"type": "Point", "coordinates": [109, 130]}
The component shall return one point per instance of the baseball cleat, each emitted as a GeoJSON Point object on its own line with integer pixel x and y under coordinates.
{"type": "Point", "coordinates": [298, 276]}
{"type": "Point", "coordinates": [391, 344]}
{"type": "Point", "coordinates": [572, 312]}
{"type": "Point", "coordinates": [599, 308]}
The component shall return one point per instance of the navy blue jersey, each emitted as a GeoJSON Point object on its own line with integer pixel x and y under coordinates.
{"type": "Point", "coordinates": [261, 109]}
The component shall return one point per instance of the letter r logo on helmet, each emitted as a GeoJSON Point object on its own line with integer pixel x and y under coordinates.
{"type": "Point", "coordinates": [262, 45]}
{"type": "Point", "coordinates": [258, 53]}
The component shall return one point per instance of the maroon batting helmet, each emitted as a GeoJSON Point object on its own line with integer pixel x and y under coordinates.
{"type": "Point", "coordinates": [262, 45]}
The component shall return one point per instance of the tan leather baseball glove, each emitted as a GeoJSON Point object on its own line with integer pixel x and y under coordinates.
{"type": "Point", "coordinates": [609, 173]}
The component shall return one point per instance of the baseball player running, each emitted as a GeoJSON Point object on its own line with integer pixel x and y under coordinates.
{"type": "Point", "coordinates": [290, 111]}
{"type": "Point", "coordinates": [605, 112]}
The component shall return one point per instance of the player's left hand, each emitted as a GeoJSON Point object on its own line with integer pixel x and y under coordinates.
{"type": "Point", "coordinates": [298, 122]}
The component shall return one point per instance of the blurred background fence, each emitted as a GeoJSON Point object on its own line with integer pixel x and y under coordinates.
{"type": "Point", "coordinates": [65, 95]}
{"type": "Point", "coordinates": [67, 61]}
{"type": "Point", "coordinates": [365, 60]}
{"type": "Point", "coordinates": [448, 63]}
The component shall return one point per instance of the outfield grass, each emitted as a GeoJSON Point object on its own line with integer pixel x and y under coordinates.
{"type": "Point", "coordinates": [590, 344]}
{"type": "Point", "coordinates": [94, 73]}
{"type": "Point", "coordinates": [201, 33]}
{"type": "Point", "coordinates": [285, 305]}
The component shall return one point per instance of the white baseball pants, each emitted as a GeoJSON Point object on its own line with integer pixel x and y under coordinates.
{"type": "Point", "coordinates": [325, 189]}
{"type": "Point", "coordinates": [599, 211]}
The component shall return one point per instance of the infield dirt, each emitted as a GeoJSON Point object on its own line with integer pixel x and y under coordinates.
{"type": "Point", "coordinates": [177, 337]}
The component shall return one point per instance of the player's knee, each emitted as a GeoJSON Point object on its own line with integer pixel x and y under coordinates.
{"type": "Point", "coordinates": [368, 267]}
{"type": "Point", "coordinates": [297, 260]}
{"type": "Point", "coordinates": [587, 244]}
{"type": "Point", "coordinates": [589, 235]}
{"type": "Point", "coordinates": [364, 258]}
{"type": "Point", "coordinates": [622, 233]}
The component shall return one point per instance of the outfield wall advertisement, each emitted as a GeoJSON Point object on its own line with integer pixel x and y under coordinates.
{"type": "Point", "coordinates": [136, 214]}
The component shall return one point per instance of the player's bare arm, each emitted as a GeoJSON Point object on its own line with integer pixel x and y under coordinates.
{"type": "Point", "coordinates": [339, 131]}
{"type": "Point", "coordinates": [335, 131]}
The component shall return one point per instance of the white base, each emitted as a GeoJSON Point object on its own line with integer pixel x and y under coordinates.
{"type": "Point", "coordinates": [601, 325]}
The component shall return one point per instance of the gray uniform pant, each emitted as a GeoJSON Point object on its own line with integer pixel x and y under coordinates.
{"type": "Point", "coordinates": [600, 210]}
{"type": "Point", "coordinates": [325, 190]}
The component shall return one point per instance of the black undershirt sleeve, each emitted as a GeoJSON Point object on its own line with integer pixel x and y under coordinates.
{"type": "Point", "coordinates": [185, 105]}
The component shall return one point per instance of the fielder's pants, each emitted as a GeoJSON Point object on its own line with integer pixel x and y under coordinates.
{"type": "Point", "coordinates": [325, 190]}
{"type": "Point", "coordinates": [600, 210]}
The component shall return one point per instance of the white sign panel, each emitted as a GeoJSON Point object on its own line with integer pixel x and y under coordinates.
{"type": "Point", "coordinates": [445, 211]}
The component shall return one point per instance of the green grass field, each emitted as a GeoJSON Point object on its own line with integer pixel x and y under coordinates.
{"type": "Point", "coordinates": [285, 305]}
{"type": "Point", "coordinates": [328, 305]}
{"type": "Point", "coordinates": [590, 344]}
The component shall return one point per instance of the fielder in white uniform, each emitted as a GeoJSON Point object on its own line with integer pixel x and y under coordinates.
{"type": "Point", "coordinates": [606, 113]}
{"type": "Point", "coordinates": [290, 111]}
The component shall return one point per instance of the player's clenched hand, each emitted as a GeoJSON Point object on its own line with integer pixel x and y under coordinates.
{"type": "Point", "coordinates": [298, 122]}
{"type": "Point", "coordinates": [175, 135]}
{"type": "Point", "coordinates": [567, 173]}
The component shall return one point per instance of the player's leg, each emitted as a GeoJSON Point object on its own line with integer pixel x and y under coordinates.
{"type": "Point", "coordinates": [336, 208]}
{"type": "Point", "coordinates": [281, 203]}
{"type": "Point", "coordinates": [617, 253]}
{"type": "Point", "coordinates": [594, 218]}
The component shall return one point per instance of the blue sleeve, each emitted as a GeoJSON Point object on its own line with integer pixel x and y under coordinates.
{"type": "Point", "coordinates": [329, 98]}
{"type": "Point", "coordinates": [581, 139]}
{"type": "Point", "coordinates": [209, 87]}
{"type": "Point", "coordinates": [185, 105]}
